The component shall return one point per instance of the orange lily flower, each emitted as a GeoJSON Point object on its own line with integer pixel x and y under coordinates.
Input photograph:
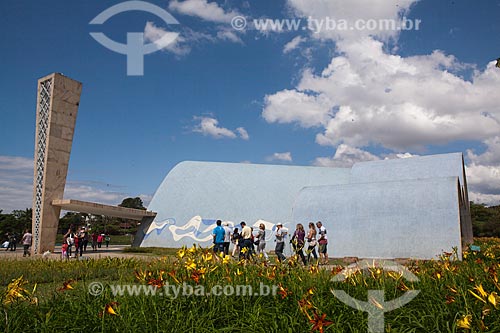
{"type": "Point", "coordinates": [66, 286]}
{"type": "Point", "coordinates": [320, 322]}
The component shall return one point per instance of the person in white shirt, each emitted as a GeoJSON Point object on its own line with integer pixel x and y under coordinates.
{"type": "Point", "coordinates": [280, 242]}
{"type": "Point", "coordinates": [227, 237]}
{"type": "Point", "coordinates": [323, 243]}
{"type": "Point", "coordinates": [246, 234]}
{"type": "Point", "coordinates": [27, 237]}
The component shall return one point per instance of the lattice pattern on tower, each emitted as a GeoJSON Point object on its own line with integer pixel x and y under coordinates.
{"type": "Point", "coordinates": [42, 130]}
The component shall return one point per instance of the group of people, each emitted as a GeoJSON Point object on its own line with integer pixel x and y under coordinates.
{"type": "Point", "coordinates": [25, 240]}
{"type": "Point", "coordinates": [249, 242]}
{"type": "Point", "coordinates": [80, 239]}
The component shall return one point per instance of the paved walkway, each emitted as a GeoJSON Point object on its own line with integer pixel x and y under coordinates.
{"type": "Point", "coordinates": [113, 251]}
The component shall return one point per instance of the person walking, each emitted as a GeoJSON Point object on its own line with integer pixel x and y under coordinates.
{"type": "Point", "coordinates": [8, 241]}
{"type": "Point", "coordinates": [246, 234]}
{"type": "Point", "coordinates": [26, 240]}
{"type": "Point", "coordinates": [227, 237]}
{"type": "Point", "coordinates": [298, 242]}
{"type": "Point", "coordinates": [64, 249]}
{"type": "Point", "coordinates": [85, 239]}
{"type": "Point", "coordinates": [107, 239]}
{"type": "Point", "coordinates": [12, 241]}
{"type": "Point", "coordinates": [261, 241]}
{"type": "Point", "coordinates": [312, 242]}
{"type": "Point", "coordinates": [235, 239]}
{"type": "Point", "coordinates": [94, 240]}
{"type": "Point", "coordinates": [323, 243]}
{"type": "Point", "coordinates": [70, 240]}
{"type": "Point", "coordinates": [280, 242]}
{"type": "Point", "coordinates": [218, 235]}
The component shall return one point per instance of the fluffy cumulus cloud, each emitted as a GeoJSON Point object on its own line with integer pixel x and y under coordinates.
{"type": "Point", "coordinates": [181, 43]}
{"type": "Point", "coordinates": [367, 96]}
{"type": "Point", "coordinates": [243, 133]}
{"type": "Point", "coordinates": [328, 12]}
{"type": "Point", "coordinates": [209, 126]}
{"type": "Point", "coordinates": [293, 44]}
{"type": "Point", "coordinates": [292, 106]}
{"type": "Point", "coordinates": [281, 157]}
{"type": "Point", "coordinates": [208, 11]}
{"type": "Point", "coordinates": [16, 187]}
{"type": "Point", "coordinates": [165, 40]}
{"type": "Point", "coordinates": [345, 156]}
{"type": "Point", "coordinates": [485, 199]}
{"type": "Point", "coordinates": [483, 173]}
{"type": "Point", "coordinates": [490, 157]}
{"type": "Point", "coordinates": [16, 183]}
{"type": "Point", "coordinates": [174, 42]}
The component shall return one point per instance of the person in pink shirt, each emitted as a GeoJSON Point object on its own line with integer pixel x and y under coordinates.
{"type": "Point", "coordinates": [64, 249]}
{"type": "Point", "coordinates": [100, 238]}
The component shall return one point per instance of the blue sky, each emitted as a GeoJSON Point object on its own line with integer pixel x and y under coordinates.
{"type": "Point", "coordinates": [329, 98]}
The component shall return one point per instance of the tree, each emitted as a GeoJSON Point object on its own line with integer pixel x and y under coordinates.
{"type": "Point", "coordinates": [485, 220]}
{"type": "Point", "coordinates": [130, 226]}
{"type": "Point", "coordinates": [132, 203]}
{"type": "Point", "coordinates": [16, 222]}
{"type": "Point", "coordinates": [23, 218]}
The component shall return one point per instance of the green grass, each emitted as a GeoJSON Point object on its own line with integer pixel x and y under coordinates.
{"type": "Point", "coordinates": [156, 251]}
{"type": "Point", "coordinates": [446, 288]}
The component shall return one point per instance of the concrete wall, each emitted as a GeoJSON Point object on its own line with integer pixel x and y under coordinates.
{"type": "Point", "coordinates": [421, 167]}
{"type": "Point", "coordinates": [194, 194]}
{"type": "Point", "coordinates": [415, 207]}
{"type": "Point", "coordinates": [390, 219]}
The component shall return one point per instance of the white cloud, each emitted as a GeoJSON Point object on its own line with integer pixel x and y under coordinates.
{"type": "Point", "coordinates": [345, 156]}
{"type": "Point", "coordinates": [289, 106]}
{"type": "Point", "coordinates": [369, 96]}
{"type": "Point", "coordinates": [293, 44]}
{"type": "Point", "coordinates": [492, 154]}
{"type": "Point", "coordinates": [165, 40]}
{"type": "Point", "coordinates": [243, 133]}
{"type": "Point", "coordinates": [16, 187]}
{"type": "Point", "coordinates": [399, 103]}
{"type": "Point", "coordinates": [210, 127]}
{"type": "Point", "coordinates": [229, 35]}
{"type": "Point", "coordinates": [404, 155]}
{"type": "Point", "coordinates": [484, 179]}
{"type": "Point", "coordinates": [177, 43]}
{"type": "Point", "coordinates": [486, 199]}
{"type": "Point", "coordinates": [16, 183]}
{"type": "Point", "coordinates": [92, 194]}
{"type": "Point", "coordinates": [16, 163]}
{"type": "Point", "coordinates": [351, 11]}
{"type": "Point", "coordinates": [283, 157]}
{"type": "Point", "coordinates": [208, 11]}
{"type": "Point", "coordinates": [483, 173]}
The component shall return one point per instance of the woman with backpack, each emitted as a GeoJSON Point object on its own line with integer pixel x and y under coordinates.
{"type": "Point", "coordinates": [298, 241]}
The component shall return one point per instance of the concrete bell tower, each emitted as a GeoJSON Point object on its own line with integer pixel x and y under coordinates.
{"type": "Point", "coordinates": [56, 111]}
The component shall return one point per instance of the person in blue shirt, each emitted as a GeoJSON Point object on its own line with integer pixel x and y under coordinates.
{"type": "Point", "coordinates": [218, 235]}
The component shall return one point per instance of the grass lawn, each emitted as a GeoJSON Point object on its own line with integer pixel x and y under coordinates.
{"type": "Point", "coordinates": [138, 295]}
